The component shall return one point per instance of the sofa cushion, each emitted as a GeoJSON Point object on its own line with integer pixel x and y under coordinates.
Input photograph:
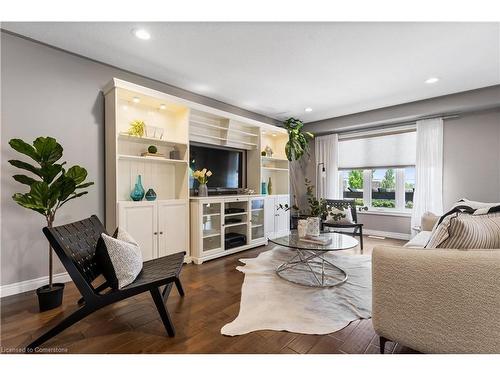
{"type": "Point", "coordinates": [461, 230]}
{"type": "Point", "coordinates": [420, 240]}
{"type": "Point", "coordinates": [429, 221]}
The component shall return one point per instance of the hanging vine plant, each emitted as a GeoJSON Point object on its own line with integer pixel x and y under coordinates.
{"type": "Point", "coordinates": [298, 140]}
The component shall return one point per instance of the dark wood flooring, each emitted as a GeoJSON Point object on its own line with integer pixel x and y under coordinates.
{"type": "Point", "coordinates": [212, 300]}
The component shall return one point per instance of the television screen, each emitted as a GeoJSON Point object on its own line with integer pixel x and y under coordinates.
{"type": "Point", "coordinates": [226, 166]}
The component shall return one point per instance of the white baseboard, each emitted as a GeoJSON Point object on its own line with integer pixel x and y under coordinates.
{"type": "Point", "coordinates": [379, 233]}
{"type": "Point", "coordinates": [27, 285]}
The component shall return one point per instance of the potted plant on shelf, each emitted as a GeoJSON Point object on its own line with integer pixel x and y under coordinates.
{"type": "Point", "coordinates": [50, 187]}
{"type": "Point", "coordinates": [298, 140]}
{"type": "Point", "coordinates": [202, 178]}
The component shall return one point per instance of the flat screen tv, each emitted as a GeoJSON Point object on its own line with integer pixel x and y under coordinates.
{"type": "Point", "coordinates": [227, 166]}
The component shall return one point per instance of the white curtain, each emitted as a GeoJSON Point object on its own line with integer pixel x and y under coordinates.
{"type": "Point", "coordinates": [327, 151]}
{"type": "Point", "coordinates": [428, 194]}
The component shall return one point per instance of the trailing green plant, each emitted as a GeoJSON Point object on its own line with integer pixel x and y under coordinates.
{"type": "Point", "coordinates": [50, 185]}
{"type": "Point", "coordinates": [298, 140]}
{"type": "Point", "coordinates": [317, 207]}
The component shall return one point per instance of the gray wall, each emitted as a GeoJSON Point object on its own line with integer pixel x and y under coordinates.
{"type": "Point", "coordinates": [471, 166]}
{"type": "Point", "coordinates": [49, 92]}
{"type": "Point", "coordinates": [471, 155]}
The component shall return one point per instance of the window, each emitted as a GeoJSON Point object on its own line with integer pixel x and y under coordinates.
{"type": "Point", "coordinates": [409, 186]}
{"type": "Point", "coordinates": [379, 188]}
{"type": "Point", "coordinates": [383, 188]}
{"type": "Point", "coordinates": [352, 185]}
{"type": "Point", "coordinates": [376, 167]}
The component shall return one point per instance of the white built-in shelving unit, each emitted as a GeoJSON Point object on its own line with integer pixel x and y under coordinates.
{"type": "Point", "coordinates": [169, 223]}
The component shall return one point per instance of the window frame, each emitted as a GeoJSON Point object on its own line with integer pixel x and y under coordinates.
{"type": "Point", "coordinates": [400, 189]}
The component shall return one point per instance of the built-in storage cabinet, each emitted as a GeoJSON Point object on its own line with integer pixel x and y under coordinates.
{"type": "Point", "coordinates": [276, 220]}
{"type": "Point", "coordinates": [160, 228]}
{"type": "Point", "coordinates": [141, 221]}
{"type": "Point", "coordinates": [257, 218]}
{"type": "Point", "coordinates": [215, 219]}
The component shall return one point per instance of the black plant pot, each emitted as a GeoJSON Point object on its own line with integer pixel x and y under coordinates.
{"type": "Point", "coordinates": [50, 298]}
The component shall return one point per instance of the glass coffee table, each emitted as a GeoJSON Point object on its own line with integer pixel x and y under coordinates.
{"type": "Point", "coordinates": [308, 265]}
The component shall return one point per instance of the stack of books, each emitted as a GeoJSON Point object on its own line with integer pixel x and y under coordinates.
{"type": "Point", "coordinates": [318, 240]}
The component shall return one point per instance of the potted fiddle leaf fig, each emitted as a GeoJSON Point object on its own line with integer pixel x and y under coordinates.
{"type": "Point", "coordinates": [51, 186]}
{"type": "Point", "coordinates": [298, 140]}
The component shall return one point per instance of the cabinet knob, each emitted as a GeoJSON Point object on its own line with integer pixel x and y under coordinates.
{"type": "Point", "coordinates": [155, 233]}
{"type": "Point", "coordinates": [161, 232]}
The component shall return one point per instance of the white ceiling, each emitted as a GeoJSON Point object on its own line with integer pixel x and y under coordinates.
{"type": "Point", "coordinates": [279, 69]}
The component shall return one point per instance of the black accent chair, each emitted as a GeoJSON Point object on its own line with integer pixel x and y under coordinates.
{"type": "Point", "coordinates": [357, 227]}
{"type": "Point", "coordinates": [75, 245]}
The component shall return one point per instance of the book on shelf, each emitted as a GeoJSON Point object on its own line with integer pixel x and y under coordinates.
{"type": "Point", "coordinates": [318, 240]}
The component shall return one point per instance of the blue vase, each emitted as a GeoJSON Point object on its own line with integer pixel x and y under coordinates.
{"type": "Point", "coordinates": [150, 195]}
{"type": "Point", "coordinates": [263, 189]}
{"type": "Point", "coordinates": [138, 193]}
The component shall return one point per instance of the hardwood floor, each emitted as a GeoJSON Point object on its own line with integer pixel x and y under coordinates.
{"type": "Point", "coordinates": [212, 300]}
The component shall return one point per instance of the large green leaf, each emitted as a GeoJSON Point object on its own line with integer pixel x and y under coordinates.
{"type": "Point", "coordinates": [40, 193]}
{"type": "Point", "coordinates": [24, 148]}
{"type": "Point", "coordinates": [26, 166]}
{"type": "Point", "coordinates": [49, 150]}
{"type": "Point", "coordinates": [73, 197]}
{"type": "Point", "coordinates": [26, 201]}
{"type": "Point", "coordinates": [66, 188]}
{"type": "Point", "coordinates": [82, 186]}
{"type": "Point", "coordinates": [77, 173]}
{"type": "Point", "coordinates": [50, 171]}
{"type": "Point", "coordinates": [24, 179]}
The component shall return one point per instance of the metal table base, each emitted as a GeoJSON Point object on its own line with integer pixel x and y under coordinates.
{"type": "Point", "coordinates": [325, 273]}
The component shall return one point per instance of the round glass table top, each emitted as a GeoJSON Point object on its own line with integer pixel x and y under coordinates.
{"type": "Point", "coordinates": [339, 242]}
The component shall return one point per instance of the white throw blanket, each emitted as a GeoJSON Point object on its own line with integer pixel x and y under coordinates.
{"type": "Point", "coordinates": [271, 303]}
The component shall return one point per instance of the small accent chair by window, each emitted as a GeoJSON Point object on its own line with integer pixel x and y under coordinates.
{"type": "Point", "coordinates": [357, 229]}
{"type": "Point", "coordinates": [75, 245]}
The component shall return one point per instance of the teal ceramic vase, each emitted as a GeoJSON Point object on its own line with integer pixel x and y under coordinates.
{"type": "Point", "coordinates": [138, 193]}
{"type": "Point", "coordinates": [150, 195]}
{"type": "Point", "coordinates": [263, 188]}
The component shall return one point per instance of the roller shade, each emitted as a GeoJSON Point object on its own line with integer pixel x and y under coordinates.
{"type": "Point", "coordinates": [394, 150]}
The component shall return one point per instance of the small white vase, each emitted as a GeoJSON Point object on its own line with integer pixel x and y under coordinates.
{"type": "Point", "coordinates": [313, 224]}
{"type": "Point", "coordinates": [203, 190]}
{"type": "Point", "coordinates": [302, 228]}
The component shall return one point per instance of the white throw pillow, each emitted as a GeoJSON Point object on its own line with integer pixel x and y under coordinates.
{"type": "Point", "coordinates": [125, 255]}
{"type": "Point", "coordinates": [345, 219]}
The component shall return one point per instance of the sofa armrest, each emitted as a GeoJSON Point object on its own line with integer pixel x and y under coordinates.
{"type": "Point", "coordinates": [437, 301]}
{"type": "Point", "coordinates": [428, 221]}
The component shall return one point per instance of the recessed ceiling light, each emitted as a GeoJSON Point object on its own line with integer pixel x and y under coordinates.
{"type": "Point", "coordinates": [163, 106]}
{"type": "Point", "coordinates": [432, 80]}
{"type": "Point", "coordinates": [263, 132]}
{"type": "Point", "coordinates": [274, 135]}
{"type": "Point", "coordinates": [136, 99]}
{"type": "Point", "coordinates": [141, 34]}
{"type": "Point", "coordinates": [308, 109]}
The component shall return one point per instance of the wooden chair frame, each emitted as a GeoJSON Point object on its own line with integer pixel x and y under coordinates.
{"type": "Point", "coordinates": [75, 243]}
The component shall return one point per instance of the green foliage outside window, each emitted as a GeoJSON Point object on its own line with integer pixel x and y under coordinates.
{"type": "Point", "coordinates": [389, 181]}
{"type": "Point", "coordinates": [355, 179]}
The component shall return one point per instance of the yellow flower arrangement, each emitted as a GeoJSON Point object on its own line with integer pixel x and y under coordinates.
{"type": "Point", "coordinates": [202, 176]}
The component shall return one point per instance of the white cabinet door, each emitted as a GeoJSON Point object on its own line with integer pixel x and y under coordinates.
{"type": "Point", "coordinates": [172, 228]}
{"type": "Point", "coordinates": [140, 220]}
{"type": "Point", "coordinates": [282, 223]}
{"type": "Point", "coordinates": [257, 219]}
{"type": "Point", "coordinates": [269, 217]}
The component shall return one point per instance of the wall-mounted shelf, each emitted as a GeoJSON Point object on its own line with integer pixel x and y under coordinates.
{"type": "Point", "coordinates": [273, 159]}
{"type": "Point", "coordinates": [151, 159]}
{"type": "Point", "coordinates": [275, 169]}
{"type": "Point", "coordinates": [148, 140]}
